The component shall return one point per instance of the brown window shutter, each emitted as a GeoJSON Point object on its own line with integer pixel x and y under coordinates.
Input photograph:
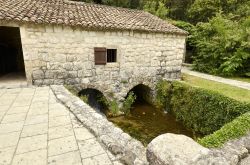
{"type": "Point", "coordinates": [100, 56]}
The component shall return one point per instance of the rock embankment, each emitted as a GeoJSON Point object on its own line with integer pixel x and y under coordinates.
{"type": "Point", "coordinates": [171, 149]}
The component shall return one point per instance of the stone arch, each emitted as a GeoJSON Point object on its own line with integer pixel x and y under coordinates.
{"type": "Point", "coordinates": [95, 98]}
{"type": "Point", "coordinates": [143, 92]}
{"type": "Point", "coordinates": [101, 89]}
{"type": "Point", "coordinates": [132, 84]}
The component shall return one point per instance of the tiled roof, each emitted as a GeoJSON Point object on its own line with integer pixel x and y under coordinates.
{"type": "Point", "coordinates": [89, 16]}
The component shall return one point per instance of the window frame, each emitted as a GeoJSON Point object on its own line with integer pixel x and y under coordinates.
{"type": "Point", "coordinates": [113, 54]}
{"type": "Point", "coordinates": [101, 55]}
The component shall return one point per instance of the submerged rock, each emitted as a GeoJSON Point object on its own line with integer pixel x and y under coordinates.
{"type": "Point", "coordinates": [172, 149]}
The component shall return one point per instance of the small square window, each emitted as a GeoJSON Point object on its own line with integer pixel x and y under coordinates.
{"type": "Point", "coordinates": [111, 55]}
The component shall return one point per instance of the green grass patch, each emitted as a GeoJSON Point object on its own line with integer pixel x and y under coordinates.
{"type": "Point", "coordinates": [235, 129]}
{"type": "Point", "coordinates": [227, 90]}
{"type": "Point", "coordinates": [244, 79]}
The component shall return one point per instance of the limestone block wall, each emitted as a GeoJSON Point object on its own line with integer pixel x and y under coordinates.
{"type": "Point", "coordinates": [63, 55]}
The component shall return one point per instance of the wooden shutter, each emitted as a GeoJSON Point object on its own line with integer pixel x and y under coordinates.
{"type": "Point", "coordinates": [100, 56]}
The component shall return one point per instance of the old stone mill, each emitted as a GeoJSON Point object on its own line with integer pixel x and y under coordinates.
{"type": "Point", "coordinates": [104, 49]}
{"type": "Point", "coordinates": [53, 45]}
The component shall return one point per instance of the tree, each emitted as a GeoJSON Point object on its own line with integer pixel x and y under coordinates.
{"type": "Point", "coordinates": [203, 10]}
{"type": "Point", "coordinates": [222, 46]}
{"type": "Point", "coordinates": [135, 4]}
{"type": "Point", "coordinates": [156, 7]}
{"type": "Point", "coordinates": [178, 9]}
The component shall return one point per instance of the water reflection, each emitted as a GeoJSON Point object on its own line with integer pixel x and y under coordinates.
{"type": "Point", "coordinates": [146, 122]}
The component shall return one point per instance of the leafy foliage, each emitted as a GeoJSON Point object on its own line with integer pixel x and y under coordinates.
{"type": "Point", "coordinates": [163, 95]}
{"type": "Point", "coordinates": [201, 110]}
{"type": "Point", "coordinates": [113, 105]}
{"type": "Point", "coordinates": [114, 108]}
{"type": "Point", "coordinates": [203, 10]}
{"type": "Point", "coordinates": [128, 103]}
{"type": "Point", "coordinates": [222, 46]}
{"type": "Point", "coordinates": [235, 129]}
{"type": "Point", "coordinates": [156, 7]}
{"type": "Point", "coordinates": [134, 4]}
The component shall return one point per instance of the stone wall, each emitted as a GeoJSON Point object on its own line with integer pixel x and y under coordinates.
{"type": "Point", "coordinates": [124, 148]}
{"type": "Point", "coordinates": [62, 55]}
{"type": "Point", "coordinates": [179, 149]}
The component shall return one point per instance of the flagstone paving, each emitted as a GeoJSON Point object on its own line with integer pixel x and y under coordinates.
{"type": "Point", "coordinates": [36, 129]}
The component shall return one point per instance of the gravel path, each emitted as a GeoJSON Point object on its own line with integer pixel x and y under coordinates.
{"type": "Point", "coordinates": [235, 83]}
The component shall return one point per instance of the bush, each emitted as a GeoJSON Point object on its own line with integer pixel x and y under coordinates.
{"type": "Point", "coordinates": [201, 110]}
{"type": "Point", "coordinates": [163, 95]}
{"type": "Point", "coordinates": [128, 103]}
{"type": "Point", "coordinates": [235, 129]}
{"type": "Point", "coordinates": [114, 108]}
{"type": "Point", "coordinates": [156, 7]}
{"type": "Point", "coordinates": [222, 46]}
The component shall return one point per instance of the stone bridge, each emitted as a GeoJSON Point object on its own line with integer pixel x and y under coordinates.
{"type": "Point", "coordinates": [120, 90]}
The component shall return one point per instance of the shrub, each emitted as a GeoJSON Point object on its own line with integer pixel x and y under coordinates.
{"type": "Point", "coordinates": [101, 99]}
{"type": "Point", "coordinates": [235, 129]}
{"type": "Point", "coordinates": [201, 110]}
{"type": "Point", "coordinates": [157, 8]}
{"type": "Point", "coordinates": [222, 46]}
{"type": "Point", "coordinates": [163, 94]}
{"type": "Point", "coordinates": [128, 103]}
{"type": "Point", "coordinates": [114, 108]}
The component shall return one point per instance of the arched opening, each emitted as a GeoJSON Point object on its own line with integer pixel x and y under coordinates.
{"type": "Point", "coordinates": [143, 93]}
{"type": "Point", "coordinates": [94, 98]}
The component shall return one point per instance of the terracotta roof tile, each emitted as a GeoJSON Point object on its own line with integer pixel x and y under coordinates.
{"type": "Point", "coordinates": [90, 16]}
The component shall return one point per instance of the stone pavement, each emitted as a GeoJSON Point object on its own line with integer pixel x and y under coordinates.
{"type": "Point", "coordinates": [236, 83]}
{"type": "Point", "coordinates": [36, 129]}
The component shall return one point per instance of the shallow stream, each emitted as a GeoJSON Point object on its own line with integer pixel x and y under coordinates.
{"type": "Point", "coordinates": [146, 123]}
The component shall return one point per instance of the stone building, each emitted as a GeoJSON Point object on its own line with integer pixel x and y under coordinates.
{"type": "Point", "coordinates": [107, 48]}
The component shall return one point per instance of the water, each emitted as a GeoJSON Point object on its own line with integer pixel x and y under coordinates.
{"type": "Point", "coordinates": [146, 123]}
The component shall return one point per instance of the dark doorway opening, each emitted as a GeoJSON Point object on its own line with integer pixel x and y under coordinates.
{"type": "Point", "coordinates": [11, 54]}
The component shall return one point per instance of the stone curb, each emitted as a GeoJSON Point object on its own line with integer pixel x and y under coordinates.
{"type": "Point", "coordinates": [122, 145]}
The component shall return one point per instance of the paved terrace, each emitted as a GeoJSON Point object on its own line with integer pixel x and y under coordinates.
{"type": "Point", "coordinates": [36, 129]}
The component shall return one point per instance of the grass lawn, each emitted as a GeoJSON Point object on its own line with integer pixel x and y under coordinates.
{"type": "Point", "coordinates": [227, 90]}
{"type": "Point", "coordinates": [240, 79]}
